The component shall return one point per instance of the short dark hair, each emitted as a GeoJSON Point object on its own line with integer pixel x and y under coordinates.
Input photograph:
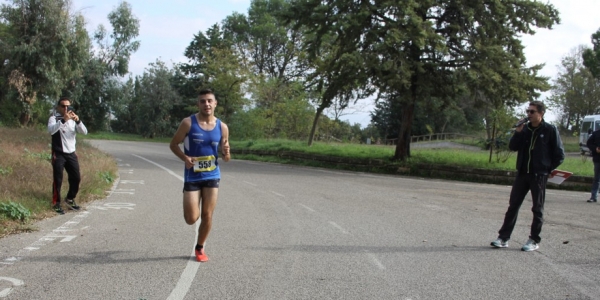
{"type": "Point", "coordinates": [206, 92]}
{"type": "Point", "coordinates": [61, 99]}
{"type": "Point", "coordinates": [541, 108]}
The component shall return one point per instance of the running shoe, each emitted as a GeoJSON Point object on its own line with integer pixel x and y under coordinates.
{"type": "Point", "coordinates": [592, 200]}
{"type": "Point", "coordinates": [531, 245]}
{"type": "Point", "coordinates": [499, 243]}
{"type": "Point", "coordinates": [71, 204]}
{"type": "Point", "coordinates": [58, 209]}
{"type": "Point", "coordinates": [201, 256]}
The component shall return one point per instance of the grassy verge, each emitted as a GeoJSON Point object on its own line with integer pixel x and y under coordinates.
{"type": "Point", "coordinates": [570, 143]}
{"type": "Point", "coordinates": [26, 177]}
{"type": "Point", "coordinates": [124, 137]}
{"type": "Point", "coordinates": [579, 165]}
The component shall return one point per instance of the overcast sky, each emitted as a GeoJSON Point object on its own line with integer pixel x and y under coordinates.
{"type": "Point", "coordinates": [167, 28]}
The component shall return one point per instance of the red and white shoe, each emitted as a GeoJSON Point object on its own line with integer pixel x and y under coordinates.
{"type": "Point", "coordinates": [201, 255]}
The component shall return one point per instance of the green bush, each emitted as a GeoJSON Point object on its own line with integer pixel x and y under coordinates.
{"type": "Point", "coordinates": [14, 211]}
{"type": "Point", "coordinates": [5, 170]}
{"type": "Point", "coordinates": [106, 176]}
{"type": "Point", "coordinates": [42, 155]}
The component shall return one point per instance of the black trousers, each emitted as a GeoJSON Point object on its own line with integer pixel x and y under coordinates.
{"type": "Point", "coordinates": [65, 161]}
{"type": "Point", "coordinates": [523, 184]}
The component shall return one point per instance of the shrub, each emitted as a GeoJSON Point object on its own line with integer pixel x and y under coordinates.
{"type": "Point", "coordinates": [14, 211]}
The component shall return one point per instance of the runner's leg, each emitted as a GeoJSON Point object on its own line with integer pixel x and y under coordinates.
{"type": "Point", "coordinates": [191, 209]}
{"type": "Point", "coordinates": [209, 202]}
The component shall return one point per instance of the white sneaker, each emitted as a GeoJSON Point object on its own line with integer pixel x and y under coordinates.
{"type": "Point", "coordinates": [531, 245]}
{"type": "Point", "coordinates": [499, 243]}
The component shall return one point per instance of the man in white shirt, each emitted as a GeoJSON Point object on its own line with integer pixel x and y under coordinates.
{"type": "Point", "coordinates": [64, 125]}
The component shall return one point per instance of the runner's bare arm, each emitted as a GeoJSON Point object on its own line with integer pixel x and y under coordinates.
{"type": "Point", "coordinates": [225, 142]}
{"type": "Point", "coordinates": [178, 138]}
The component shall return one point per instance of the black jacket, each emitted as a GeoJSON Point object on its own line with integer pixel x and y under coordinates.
{"type": "Point", "coordinates": [593, 142]}
{"type": "Point", "coordinates": [540, 150]}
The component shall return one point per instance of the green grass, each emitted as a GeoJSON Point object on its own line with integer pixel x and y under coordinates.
{"type": "Point", "coordinates": [333, 149]}
{"type": "Point", "coordinates": [123, 137]}
{"type": "Point", "coordinates": [26, 177]}
{"type": "Point", "coordinates": [571, 143]}
{"type": "Point", "coordinates": [577, 164]}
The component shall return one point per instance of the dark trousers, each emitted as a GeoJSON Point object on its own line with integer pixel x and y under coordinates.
{"type": "Point", "coordinates": [596, 183]}
{"type": "Point", "coordinates": [523, 184]}
{"type": "Point", "coordinates": [65, 161]}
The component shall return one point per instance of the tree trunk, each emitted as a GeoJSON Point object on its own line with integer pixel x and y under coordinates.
{"type": "Point", "coordinates": [403, 145]}
{"type": "Point", "coordinates": [311, 137]}
{"type": "Point", "coordinates": [493, 140]}
{"type": "Point", "coordinates": [24, 118]}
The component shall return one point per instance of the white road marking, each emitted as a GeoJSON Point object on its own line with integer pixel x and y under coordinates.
{"type": "Point", "coordinates": [133, 181]}
{"type": "Point", "coordinates": [15, 282]}
{"type": "Point", "coordinates": [376, 260]}
{"type": "Point", "coordinates": [434, 207]}
{"type": "Point", "coordinates": [64, 238]}
{"type": "Point", "coordinates": [280, 195]}
{"type": "Point", "coordinates": [249, 183]}
{"type": "Point", "coordinates": [189, 273]}
{"type": "Point", "coordinates": [114, 205]}
{"type": "Point", "coordinates": [308, 208]}
{"type": "Point", "coordinates": [124, 191]}
{"type": "Point", "coordinates": [50, 237]}
{"type": "Point", "coordinates": [338, 227]}
{"type": "Point", "coordinates": [168, 171]}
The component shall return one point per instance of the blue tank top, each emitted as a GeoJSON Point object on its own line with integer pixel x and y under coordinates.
{"type": "Point", "coordinates": [202, 146]}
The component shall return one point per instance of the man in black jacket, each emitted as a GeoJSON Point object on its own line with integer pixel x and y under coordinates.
{"type": "Point", "coordinates": [593, 144]}
{"type": "Point", "coordinates": [539, 151]}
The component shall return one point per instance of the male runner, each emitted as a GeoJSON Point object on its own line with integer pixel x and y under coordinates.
{"type": "Point", "coordinates": [201, 134]}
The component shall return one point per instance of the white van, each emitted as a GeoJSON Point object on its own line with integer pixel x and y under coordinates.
{"type": "Point", "coordinates": [590, 124]}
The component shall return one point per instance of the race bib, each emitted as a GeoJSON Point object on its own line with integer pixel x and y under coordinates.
{"type": "Point", "coordinates": [204, 163]}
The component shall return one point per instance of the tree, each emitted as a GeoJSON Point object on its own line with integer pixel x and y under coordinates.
{"type": "Point", "coordinates": [96, 90]}
{"type": "Point", "coordinates": [123, 106]}
{"type": "Point", "coordinates": [6, 40]}
{"type": "Point", "coordinates": [156, 98]}
{"type": "Point", "coordinates": [269, 47]}
{"type": "Point", "coordinates": [49, 47]}
{"type": "Point", "coordinates": [223, 75]}
{"type": "Point", "coordinates": [114, 53]}
{"type": "Point", "coordinates": [415, 49]}
{"type": "Point", "coordinates": [197, 52]}
{"type": "Point", "coordinates": [591, 57]}
{"type": "Point", "coordinates": [336, 75]}
{"type": "Point", "coordinates": [284, 107]}
{"type": "Point", "coordinates": [575, 91]}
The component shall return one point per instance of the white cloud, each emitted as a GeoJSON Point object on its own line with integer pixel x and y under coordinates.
{"type": "Point", "coordinates": [578, 23]}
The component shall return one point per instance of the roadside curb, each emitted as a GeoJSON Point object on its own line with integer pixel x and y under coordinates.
{"type": "Point", "coordinates": [504, 177]}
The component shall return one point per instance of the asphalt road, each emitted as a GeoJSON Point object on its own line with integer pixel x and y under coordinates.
{"type": "Point", "coordinates": [288, 232]}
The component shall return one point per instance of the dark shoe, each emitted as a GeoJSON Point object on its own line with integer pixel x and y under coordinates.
{"type": "Point", "coordinates": [58, 209]}
{"type": "Point", "coordinates": [592, 200]}
{"type": "Point", "coordinates": [71, 204]}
